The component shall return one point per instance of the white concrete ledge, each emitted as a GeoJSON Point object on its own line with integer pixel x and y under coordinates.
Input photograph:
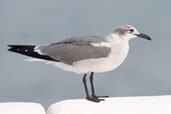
{"type": "Point", "coordinates": [120, 105]}
{"type": "Point", "coordinates": [21, 108]}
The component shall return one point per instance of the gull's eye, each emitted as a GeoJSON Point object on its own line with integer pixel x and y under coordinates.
{"type": "Point", "coordinates": [131, 30]}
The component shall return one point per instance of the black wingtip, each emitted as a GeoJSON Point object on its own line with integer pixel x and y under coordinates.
{"type": "Point", "coordinates": [15, 47]}
{"type": "Point", "coordinates": [11, 47]}
{"type": "Point", "coordinates": [28, 50]}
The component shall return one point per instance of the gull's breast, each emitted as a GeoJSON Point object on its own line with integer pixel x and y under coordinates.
{"type": "Point", "coordinates": [118, 55]}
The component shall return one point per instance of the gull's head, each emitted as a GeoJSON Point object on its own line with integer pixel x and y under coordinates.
{"type": "Point", "coordinates": [128, 32]}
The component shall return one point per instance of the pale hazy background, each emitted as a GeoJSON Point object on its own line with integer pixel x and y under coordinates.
{"type": "Point", "coordinates": [146, 71]}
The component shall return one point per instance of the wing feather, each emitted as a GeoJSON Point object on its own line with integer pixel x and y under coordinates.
{"type": "Point", "coordinates": [76, 49]}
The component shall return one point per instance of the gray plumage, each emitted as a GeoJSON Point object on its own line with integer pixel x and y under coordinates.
{"type": "Point", "coordinates": [75, 49]}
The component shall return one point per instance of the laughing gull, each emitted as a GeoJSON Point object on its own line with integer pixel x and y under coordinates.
{"type": "Point", "coordinates": [85, 54]}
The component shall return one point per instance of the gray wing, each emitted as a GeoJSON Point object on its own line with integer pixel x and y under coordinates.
{"type": "Point", "coordinates": [75, 49]}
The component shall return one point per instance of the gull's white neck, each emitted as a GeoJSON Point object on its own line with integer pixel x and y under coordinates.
{"type": "Point", "coordinates": [113, 37]}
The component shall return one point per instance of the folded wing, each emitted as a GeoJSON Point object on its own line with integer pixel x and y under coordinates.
{"type": "Point", "coordinates": [75, 49]}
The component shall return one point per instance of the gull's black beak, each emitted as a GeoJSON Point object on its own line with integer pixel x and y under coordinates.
{"type": "Point", "coordinates": [141, 35]}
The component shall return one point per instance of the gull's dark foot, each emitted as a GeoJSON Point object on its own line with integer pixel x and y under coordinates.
{"type": "Point", "coordinates": [94, 96]}
{"type": "Point", "coordinates": [94, 99]}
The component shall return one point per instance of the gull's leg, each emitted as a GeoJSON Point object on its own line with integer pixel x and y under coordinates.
{"type": "Point", "coordinates": [85, 85]}
{"type": "Point", "coordinates": [92, 87]}
{"type": "Point", "coordinates": [94, 99]}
